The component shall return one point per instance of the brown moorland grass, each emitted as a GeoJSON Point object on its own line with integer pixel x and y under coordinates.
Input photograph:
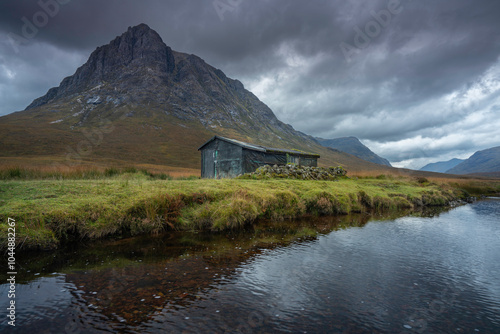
{"type": "Point", "coordinates": [62, 171]}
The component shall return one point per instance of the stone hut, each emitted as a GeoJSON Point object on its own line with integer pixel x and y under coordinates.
{"type": "Point", "coordinates": [225, 158]}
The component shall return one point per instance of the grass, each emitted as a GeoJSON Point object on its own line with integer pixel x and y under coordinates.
{"type": "Point", "coordinates": [78, 173]}
{"type": "Point", "coordinates": [57, 209]}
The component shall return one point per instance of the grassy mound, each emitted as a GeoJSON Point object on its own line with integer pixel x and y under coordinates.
{"type": "Point", "coordinates": [54, 211]}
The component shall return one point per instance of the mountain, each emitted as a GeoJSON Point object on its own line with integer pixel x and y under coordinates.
{"type": "Point", "coordinates": [486, 161]}
{"type": "Point", "coordinates": [353, 146]}
{"type": "Point", "coordinates": [441, 166]}
{"type": "Point", "coordinates": [137, 101]}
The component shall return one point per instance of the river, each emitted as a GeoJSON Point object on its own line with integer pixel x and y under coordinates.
{"type": "Point", "coordinates": [432, 272]}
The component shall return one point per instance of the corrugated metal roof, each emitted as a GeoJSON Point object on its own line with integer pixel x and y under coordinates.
{"type": "Point", "coordinates": [259, 147]}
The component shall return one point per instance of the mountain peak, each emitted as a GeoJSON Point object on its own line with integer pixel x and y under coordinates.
{"type": "Point", "coordinates": [137, 53]}
{"type": "Point", "coordinates": [140, 36]}
{"type": "Point", "coordinates": [138, 75]}
{"type": "Point", "coordinates": [140, 27]}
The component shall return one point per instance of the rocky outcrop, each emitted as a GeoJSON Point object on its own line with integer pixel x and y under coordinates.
{"type": "Point", "coordinates": [292, 171]}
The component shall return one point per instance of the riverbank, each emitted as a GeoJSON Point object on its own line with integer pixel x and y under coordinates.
{"type": "Point", "coordinates": [50, 213]}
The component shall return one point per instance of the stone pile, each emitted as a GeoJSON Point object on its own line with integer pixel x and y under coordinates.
{"type": "Point", "coordinates": [291, 171]}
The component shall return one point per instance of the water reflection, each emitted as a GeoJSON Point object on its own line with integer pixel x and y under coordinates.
{"type": "Point", "coordinates": [336, 274]}
{"type": "Point", "coordinates": [118, 284]}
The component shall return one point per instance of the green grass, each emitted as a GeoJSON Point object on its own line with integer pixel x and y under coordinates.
{"type": "Point", "coordinates": [51, 212]}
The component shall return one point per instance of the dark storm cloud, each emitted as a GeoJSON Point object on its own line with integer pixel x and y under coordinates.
{"type": "Point", "coordinates": [411, 82]}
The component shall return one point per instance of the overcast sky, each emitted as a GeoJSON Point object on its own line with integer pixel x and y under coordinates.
{"type": "Point", "coordinates": [416, 81]}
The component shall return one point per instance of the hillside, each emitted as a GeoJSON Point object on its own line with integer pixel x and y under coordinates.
{"type": "Point", "coordinates": [484, 162]}
{"type": "Point", "coordinates": [136, 101]}
{"type": "Point", "coordinates": [353, 146]}
{"type": "Point", "coordinates": [441, 166]}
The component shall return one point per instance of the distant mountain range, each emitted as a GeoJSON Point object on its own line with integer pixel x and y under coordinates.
{"type": "Point", "coordinates": [485, 162]}
{"type": "Point", "coordinates": [353, 146]}
{"type": "Point", "coordinates": [137, 101]}
{"type": "Point", "coordinates": [441, 166]}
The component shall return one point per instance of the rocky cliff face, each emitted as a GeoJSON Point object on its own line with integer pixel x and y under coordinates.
{"type": "Point", "coordinates": [138, 49]}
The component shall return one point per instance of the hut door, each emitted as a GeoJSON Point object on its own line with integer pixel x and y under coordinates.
{"type": "Point", "coordinates": [208, 163]}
